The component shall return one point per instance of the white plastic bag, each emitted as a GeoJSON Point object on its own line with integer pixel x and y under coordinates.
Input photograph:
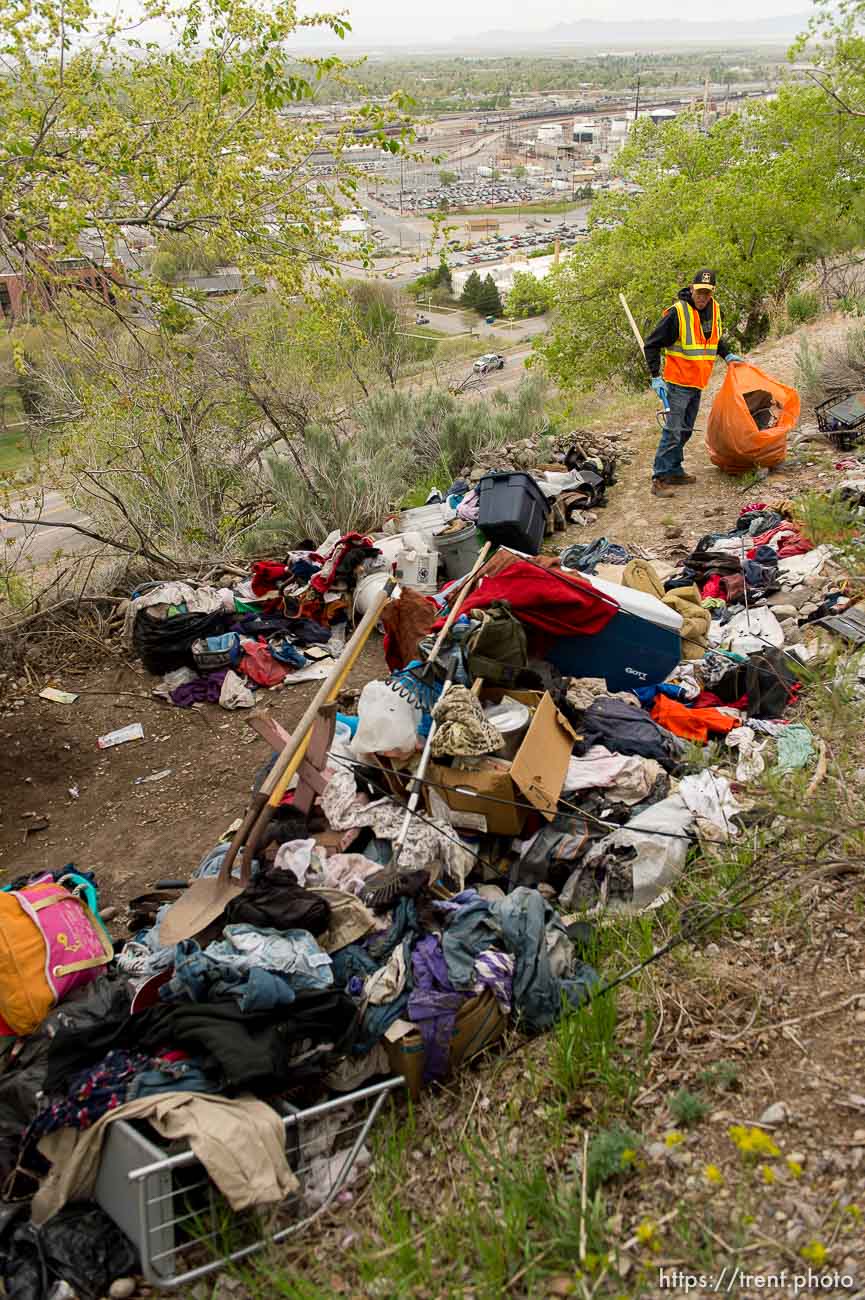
{"type": "Point", "coordinates": [235, 694]}
{"type": "Point", "coordinates": [387, 722]}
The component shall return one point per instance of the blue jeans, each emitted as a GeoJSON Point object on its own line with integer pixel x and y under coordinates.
{"type": "Point", "coordinates": [681, 417]}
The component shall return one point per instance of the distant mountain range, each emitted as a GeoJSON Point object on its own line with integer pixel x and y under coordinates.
{"type": "Point", "coordinates": [661, 33]}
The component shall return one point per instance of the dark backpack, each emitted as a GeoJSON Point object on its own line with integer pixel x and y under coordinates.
{"type": "Point", "coordinates": [767, 679]}
{"type": "Point", "coordinates": [497, 650]}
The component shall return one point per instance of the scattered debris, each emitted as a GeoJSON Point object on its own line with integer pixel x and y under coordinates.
{"type": "Point", "coordinates": [154, 776]}
{"type": "Point", "coordinates": [134, 731]}
{"type": "Point", "coordinates": [57, 696]}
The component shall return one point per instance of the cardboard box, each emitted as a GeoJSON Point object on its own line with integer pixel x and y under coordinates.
{"type": "Point", "coordinates": [536, 775]}
{"type": "Point", "coordinates": [479, 1022]}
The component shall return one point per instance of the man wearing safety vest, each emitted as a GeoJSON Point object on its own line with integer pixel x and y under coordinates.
{"type": "Point", "coordinates": [689, 333]}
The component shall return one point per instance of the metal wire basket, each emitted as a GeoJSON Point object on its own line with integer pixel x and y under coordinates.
{"type": "Point", "coordinates": [181, 1225]}
{"type": "Point", "coordinates": [842, 419]}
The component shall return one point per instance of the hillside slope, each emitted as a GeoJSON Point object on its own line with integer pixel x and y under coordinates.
{"type": "Point", "coordinates": [477, 1194]}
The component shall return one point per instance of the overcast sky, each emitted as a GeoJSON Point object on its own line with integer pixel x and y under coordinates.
{"type": "Point", "coordinates": [432, 20]}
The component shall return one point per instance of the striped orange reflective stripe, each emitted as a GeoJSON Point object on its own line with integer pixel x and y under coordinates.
{"type": "Point", "coordinates": [690, 360]}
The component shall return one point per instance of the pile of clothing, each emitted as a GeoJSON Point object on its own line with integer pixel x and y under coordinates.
{"type": "Point", "coordinates": [612, 826]}
{"type": "Point", "coordinates": [373, 929]}
{"type": "Point", "coordinates": [222, 644]}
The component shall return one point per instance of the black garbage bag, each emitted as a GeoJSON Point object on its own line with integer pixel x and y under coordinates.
{"type": "Point", "coordinates": [79, 1245]}
{"type": "Point", "coordinates": [164, 644]}
{"type": "Point", "coordinates": [769, 680]}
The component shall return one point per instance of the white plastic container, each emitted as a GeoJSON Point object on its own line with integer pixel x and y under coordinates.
{"type": "Point", "coordinates": [417, 568]}
{"type": "Point", "coordinates": [512, 719]}
{"type": "Point", "coordinates": [367, 590]}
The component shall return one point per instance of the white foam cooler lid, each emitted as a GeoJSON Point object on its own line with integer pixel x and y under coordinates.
{"type": "Point", "coordinates": [639, 603]}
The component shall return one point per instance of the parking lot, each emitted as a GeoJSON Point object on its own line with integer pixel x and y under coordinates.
{"type": "Point", "coordinates": [539, 236]}
{"type": "Point", "coordinates": [479, 193]}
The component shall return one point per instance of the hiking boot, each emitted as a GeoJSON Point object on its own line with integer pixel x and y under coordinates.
{"type": "Point", "coordinates": [682, 478]}
{"type": "Point", "coordinates": [662, 487]}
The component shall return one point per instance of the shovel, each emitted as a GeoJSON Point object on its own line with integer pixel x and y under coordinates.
{"type": "Point", "coordinates": [208, 897]}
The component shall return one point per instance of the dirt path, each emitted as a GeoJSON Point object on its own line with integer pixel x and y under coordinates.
{"type": "Point", "coordinates": [129, 835]}
{"type": "Point", "coordinates": [712, 504]}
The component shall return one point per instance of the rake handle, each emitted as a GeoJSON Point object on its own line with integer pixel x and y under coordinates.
{"type": "Point", "coordinates": [295, 750]}
{"type": "Point", "coordinates": [458, 603]}
{"type": "Point", "coordinates": [300, 737]}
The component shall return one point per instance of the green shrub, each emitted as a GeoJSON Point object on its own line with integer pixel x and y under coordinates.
{"type": "Point", "coordinates": [401, 441]}
{"type": "Point", "coordinates": [723, 1076]}
{"type": "Point", "coordinates": [851, 304]}
{"type": "Point", "coordinates": [802, 307]}
{"type": "Point", "coordinates": [612, 1153]}
{"type": "Point", "coordinates": [688, 1108]}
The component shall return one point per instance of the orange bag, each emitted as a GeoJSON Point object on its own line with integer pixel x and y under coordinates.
{"type": "Point", "coordinates": [733, 438]}
{"type": "Point", "coordinates": [50, 944]}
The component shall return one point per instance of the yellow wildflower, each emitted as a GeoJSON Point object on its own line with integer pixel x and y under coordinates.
{"type": "Point", "coordinates": [646, 1235]}
{"type": "Point", "coordinates": [627, 1157]}
{"type": "Point", "coordinates": [753, 1141]}
{"type": "Point", "coordinates": [795, 1168]}
{"type": "Point", "coordinates": [713, 1175]}
{"type": "Point", "coordinates": [815, 1253]}
{"type": "Point", "coordinates": [768, 1174]}
{"type": "Point", "coordinates": [674, 1138]}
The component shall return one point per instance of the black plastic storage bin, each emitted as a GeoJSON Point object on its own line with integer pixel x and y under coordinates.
{"type": "Point", "coordinates": [513, 511]}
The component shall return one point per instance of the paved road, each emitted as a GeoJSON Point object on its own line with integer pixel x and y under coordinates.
{"type": "Point", "coordinates": [38, 545]}
{"type": "Point", "coordinates": [455, 372]}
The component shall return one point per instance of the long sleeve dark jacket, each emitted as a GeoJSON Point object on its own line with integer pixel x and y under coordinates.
{"type": "Point", "coordinates": [666, 333]}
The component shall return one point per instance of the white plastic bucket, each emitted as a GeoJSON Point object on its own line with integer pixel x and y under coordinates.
{"type": "Point", "coordinates": [367, 590]}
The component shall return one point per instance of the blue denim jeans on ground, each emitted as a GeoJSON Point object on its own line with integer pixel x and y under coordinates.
{"type": "Point", "coordinates": [679, 425]}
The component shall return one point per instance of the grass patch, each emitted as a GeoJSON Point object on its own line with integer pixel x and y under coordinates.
{"type": "Point", "coordinates": [549, 206]}
{"type": "Point", "coordinates": [18, 446]}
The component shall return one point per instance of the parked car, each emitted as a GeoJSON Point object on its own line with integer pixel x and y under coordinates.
{"type": "Point", "coordinates": [489, 361]}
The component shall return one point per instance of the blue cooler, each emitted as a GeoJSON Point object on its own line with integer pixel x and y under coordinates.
{"type": "Point", "coordinates": [640, 646]}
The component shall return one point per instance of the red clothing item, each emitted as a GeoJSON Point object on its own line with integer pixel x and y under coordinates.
{"type": "Point", "coordinates": [712, 589]}
{"type": "Point", "coordinates": [691, 724]}
{"type": "Point", "coordinates": [325, 578]}
{"type": "Point", "coordinates": [706, 700]}
{"type": "Point", "coordinates": [791, 543]}
{"type": "Point", "coordinates": [259, 665]}
{"type": "Point", "coordinates": [406, 622]}
{"type": "Point", "coordinates": [548, 603]}
{"type": "Point", "coordinates": [266, 574]}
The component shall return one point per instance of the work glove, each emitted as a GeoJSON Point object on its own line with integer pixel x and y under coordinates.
{"type": "Point", "coordinates": [661, 389]}
{"type": "Point", "coordinates": [733, 356]}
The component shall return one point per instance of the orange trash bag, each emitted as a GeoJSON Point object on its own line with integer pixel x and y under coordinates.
{"type": "Point", "coordinates": [750, 419]}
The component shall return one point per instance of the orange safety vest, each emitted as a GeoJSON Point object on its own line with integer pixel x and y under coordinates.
{"type": "Point", "coordinates": [690, 360]}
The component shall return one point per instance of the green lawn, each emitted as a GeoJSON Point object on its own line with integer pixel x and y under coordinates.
{"type": "Point", "coordinates": [16, 451]}
{"type": "Point", "coordinates": [549, 206]}
{"type": "Point", "coordinates": [16, 448]}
